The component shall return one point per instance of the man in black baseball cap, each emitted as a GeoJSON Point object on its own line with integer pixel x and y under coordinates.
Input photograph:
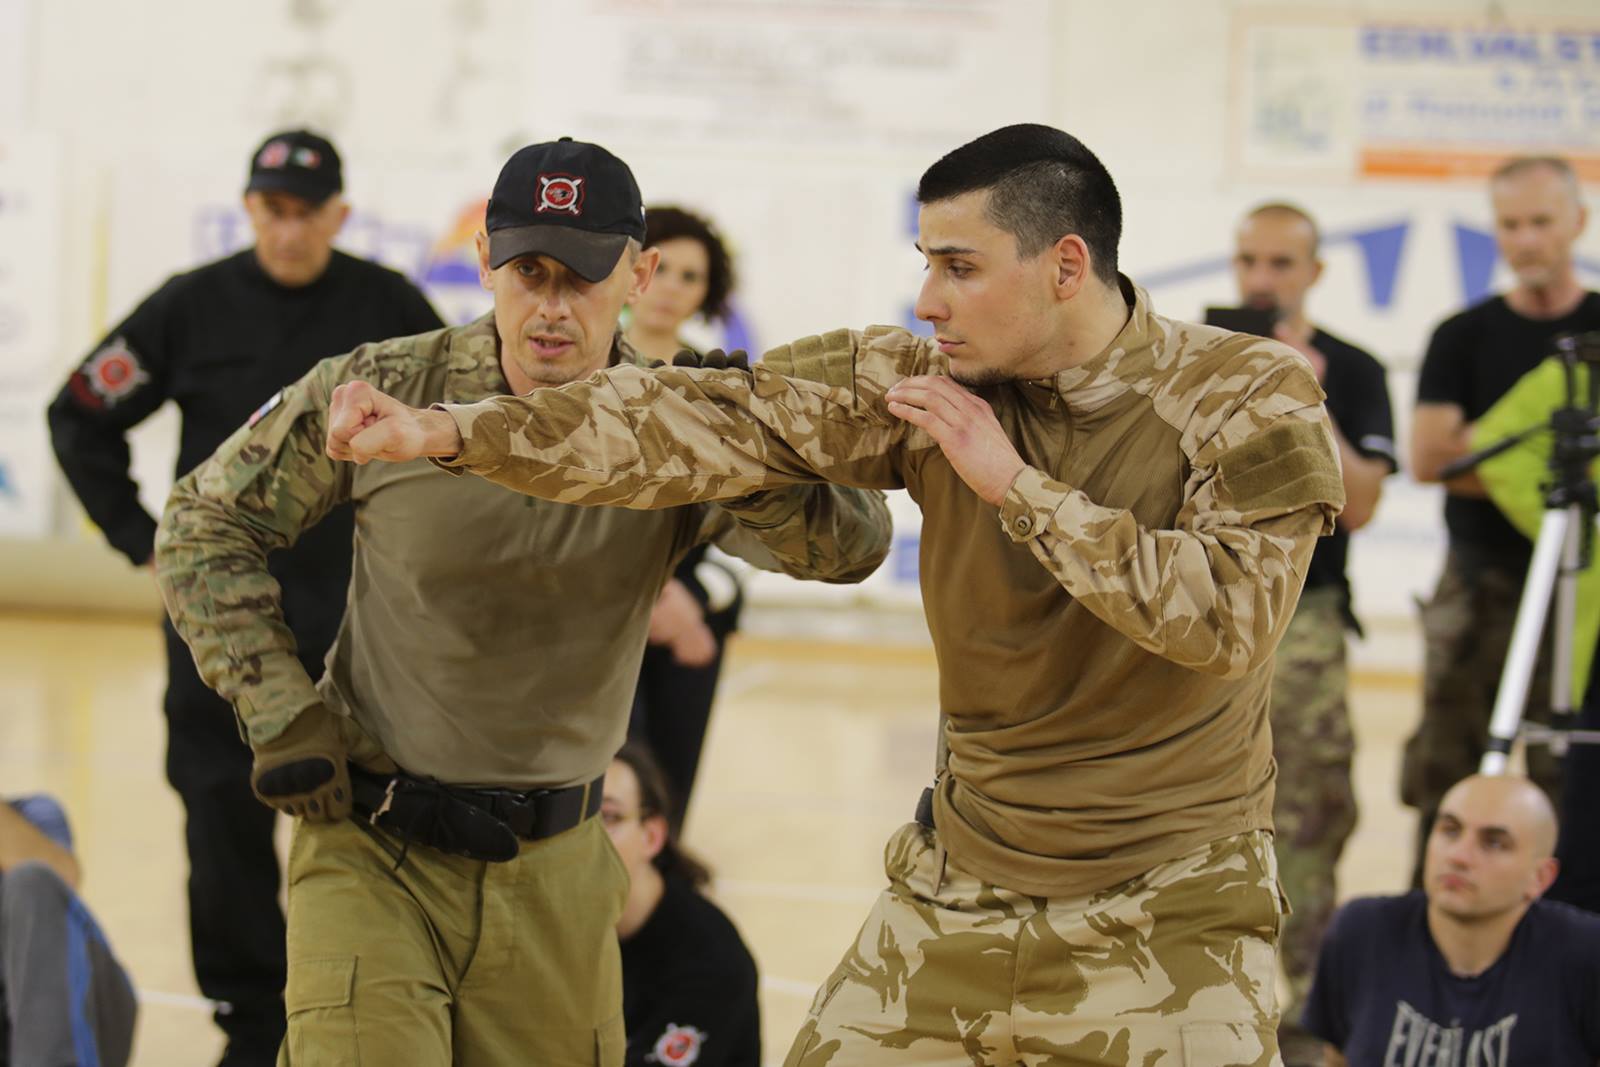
{"type": "Point", "coordinates": [220, 341]}
{"type": "Point", "coordinates": [562, 253]}
{"type": "Point", "coordinates": [297, 162]}
{"type": "Point", "coordinates": [295, 207]}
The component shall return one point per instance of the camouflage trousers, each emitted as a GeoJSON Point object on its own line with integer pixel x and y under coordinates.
{"type": "Point", "coordinates": [1466, 628]}
{"type": "Point", "coordinates": [1315, 809]}
{"type": "Point", "coordinates": [1177, 966]}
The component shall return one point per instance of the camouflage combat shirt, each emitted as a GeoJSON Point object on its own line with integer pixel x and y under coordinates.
{"type": "Point", "coordinates": [490, 638]}
{"type": "Point", "coordinates": [1104, 639]}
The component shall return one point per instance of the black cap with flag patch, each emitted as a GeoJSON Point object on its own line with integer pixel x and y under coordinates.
{"type": "Point", "coordinates": [571, 201]}
{"type": "Point", "coordinates": [297, 162]}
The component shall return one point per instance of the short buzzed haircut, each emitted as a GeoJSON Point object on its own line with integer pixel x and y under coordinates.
{"type": "Point", "coordinates": [1520, 165]}
{"type": "Point", "coordinates": [1282, 209]}
{"type": "Point", "coordinates": [1043, 184]}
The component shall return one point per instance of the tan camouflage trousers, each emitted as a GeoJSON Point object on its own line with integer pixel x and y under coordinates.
{"type": "Point", "coordinates": [1467, 631]}
{"type": "Point", "coordinates": [1175, 967]}
{"type": "Point", "coordinates": [1315, 809]}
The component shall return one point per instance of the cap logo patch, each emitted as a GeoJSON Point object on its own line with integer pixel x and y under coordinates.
{"type": "Point", "coordinates": [560, 193]}
{"type": "Point", "coordinates": [679, 1046]}
{"type": "Point", "coordinates": [309, 158]}
{"type": "Point", "coordinates": [274, 155]}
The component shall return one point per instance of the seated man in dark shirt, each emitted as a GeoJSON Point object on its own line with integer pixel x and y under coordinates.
{"type": "Point", "coordinates": [688, 982]}
{"type": "Point", "coordinates": [1474, 969]}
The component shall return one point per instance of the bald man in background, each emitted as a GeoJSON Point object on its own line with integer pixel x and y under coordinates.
{"type": "Point", "coordinates": [1276, 262]}
{"type": "Point", "coordinates": [1474, 968]}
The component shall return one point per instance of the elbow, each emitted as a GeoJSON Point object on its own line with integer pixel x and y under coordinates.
{"type": "Point", "coordinates": [1355, 515]}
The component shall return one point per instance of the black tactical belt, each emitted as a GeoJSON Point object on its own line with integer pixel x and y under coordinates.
{"type": "Point", "coordinates": [482, 824]}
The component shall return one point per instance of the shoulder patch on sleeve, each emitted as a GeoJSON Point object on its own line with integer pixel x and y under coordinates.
{"type": "Point", "coordinates": [829, 359]}
{"type": "Point", "coordinates": [265, 409]}
{"type": "Point", "coordinates": [1288, 467]}
{"type": "Point", "coordinates": [678, 1046]}
{"type": "Point", "coordinates": [109, 375]}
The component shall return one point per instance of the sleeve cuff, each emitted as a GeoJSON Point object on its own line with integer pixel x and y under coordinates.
{"type": "Point", "coordinates": [474, 456]}
{"type": "Point", "coordinates": [1029, 505]}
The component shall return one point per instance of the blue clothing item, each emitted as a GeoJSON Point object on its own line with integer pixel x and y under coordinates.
{"type": "Point", "coordinates": [46, 816]}
{"type": "Point", "coordinates": [1383, 994]}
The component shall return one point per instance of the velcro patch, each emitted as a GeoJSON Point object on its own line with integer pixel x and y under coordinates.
{"type": "Point", "coordinates": [829, 359]}
{"type": "Point", "coordinates": [1287, 468]}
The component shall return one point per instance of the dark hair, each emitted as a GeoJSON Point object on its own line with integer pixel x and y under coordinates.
{"type": "Point", "coordinates": [655, 800]}
{"type": "Point", "coordinates": [665, 223]}
{"type": "Point", "coordinates": [1043, 184]}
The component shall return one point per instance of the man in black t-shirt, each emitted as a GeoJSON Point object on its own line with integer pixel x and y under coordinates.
{"type": "Point", "coordinates": [220, 341]}
{"type": "Point", "coordinates": [1275, 263]}
{"type": "Point", "coordinates": [1474, 969]}
{"type": "Point", "coordinates": [1473, 360]}
{"type": "Point", "coordinates": [688, 981]}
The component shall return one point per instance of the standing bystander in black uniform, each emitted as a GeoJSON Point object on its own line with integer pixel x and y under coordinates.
{"type": "Point", "coordinates": [220, 341]}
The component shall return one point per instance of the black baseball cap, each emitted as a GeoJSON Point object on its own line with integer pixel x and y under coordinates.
{"type": "Point", "coordinates": [297, 162]}
{"type": "Point", "coordinates": [571, 201]}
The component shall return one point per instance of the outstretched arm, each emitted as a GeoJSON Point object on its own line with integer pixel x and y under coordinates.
{"type": "Point", "coordinates": [659, 438]}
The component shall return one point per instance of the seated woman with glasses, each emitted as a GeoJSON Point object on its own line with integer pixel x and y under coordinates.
{"type": "Point", "coordinates": [688, 981]}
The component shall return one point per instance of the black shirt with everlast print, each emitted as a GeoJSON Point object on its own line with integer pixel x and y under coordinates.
{"type": "Point", "coordinates": [1385, 997]}
{"type": "Point", "coordinates": [219, 341]}
{"type": "Point", "coordinates": [1474, 359]}
{"type": "Point", "coordinates": [1358, 403]}
{"type": "Point", "coordinates": [689, 987]}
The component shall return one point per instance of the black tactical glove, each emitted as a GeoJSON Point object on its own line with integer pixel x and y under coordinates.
{"type": "Point", "coordinates": [302, 771]}
{"type": "Point", "coordinates": [716, 359]}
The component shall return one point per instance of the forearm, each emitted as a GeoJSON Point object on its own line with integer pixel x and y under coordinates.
{"type": "Point", "coordinates": [1212, 600]}
{"type": "Point", "coordinates": [96, 467]}
{"type": "Point", "coordinates": [1363, 483]}
{"type": "Point", "coordinates": [211, 565]}
{"type": "Point", "coordinates": [671, 437]}
{"type": "Point", "coordinates": [825, 533]}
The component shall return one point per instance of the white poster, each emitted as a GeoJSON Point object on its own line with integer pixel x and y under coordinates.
{"type": "Point", "coordinates": [1416, 97]}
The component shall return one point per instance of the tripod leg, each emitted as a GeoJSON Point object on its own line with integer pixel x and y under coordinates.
{"type": "Point", "coordinates": [1525, 637]}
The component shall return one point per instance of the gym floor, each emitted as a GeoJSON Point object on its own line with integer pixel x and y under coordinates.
{"type": "Point", "coordinates": [818, 750]}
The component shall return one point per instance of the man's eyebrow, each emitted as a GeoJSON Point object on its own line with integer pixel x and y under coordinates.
{"type": "Point", "coordinates": [946, 250]}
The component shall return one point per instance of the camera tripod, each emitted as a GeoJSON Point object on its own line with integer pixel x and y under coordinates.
{"type": "Point", "coordinates": [1564, 547]}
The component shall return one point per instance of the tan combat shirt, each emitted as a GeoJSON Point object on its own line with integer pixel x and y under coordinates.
{"type": "Point", "coordinates": [1104, 641]}
{"type": "Point", "coordinates": [489, 638]}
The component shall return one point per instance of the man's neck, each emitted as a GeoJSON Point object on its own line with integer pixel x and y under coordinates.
{"type": "Point", "coordinates": [1470, 948]}
{"type": "Point", "coordinates": [653, 344]}
{"type": "Point", "coordinates": [1088, 332]}
{"type": "Point", "coordinates": [644, 896]}
{"type": "Point", "coordinates": [1554, 301]}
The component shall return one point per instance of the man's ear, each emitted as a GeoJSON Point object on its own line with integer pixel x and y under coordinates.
{"type": "Point", "coordinates": [1070, 259]}
{"type": "Point", "coordinates": [644, 269]}
{"type": "Point", "coordinates": [485, 274]}
{"type": "Point", "coordinates": [1544, 876]}
{"type": "Point", "coordinates": [344, 214]}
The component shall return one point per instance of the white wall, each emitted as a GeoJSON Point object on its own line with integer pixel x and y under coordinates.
{"type": "Point", "coordinates": [801, 125]}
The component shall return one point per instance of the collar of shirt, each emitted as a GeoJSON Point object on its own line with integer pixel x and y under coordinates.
{"type": "Point", "coordinates": [1129, 358]}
